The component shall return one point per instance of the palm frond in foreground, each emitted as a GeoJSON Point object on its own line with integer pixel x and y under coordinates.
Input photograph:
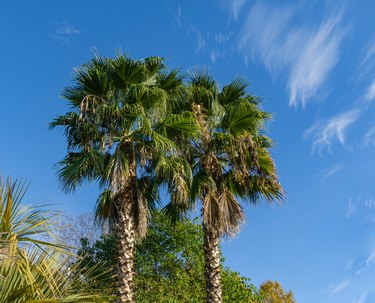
{"type": "Point", "coordinates": [31, 269]}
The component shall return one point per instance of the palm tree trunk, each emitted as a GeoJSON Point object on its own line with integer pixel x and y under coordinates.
{"type": "Point", "coordinates": [126, 251]}
{"type": "Point", "coordinates": [126, 232]}
{"type": "Point", "coordinates": [212, 272]}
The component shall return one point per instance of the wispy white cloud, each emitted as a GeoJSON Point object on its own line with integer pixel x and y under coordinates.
{"type": "Point", "coordinates": [215, 54]}
{"type": "Point", "coordinates": [263, 34]}
{"type": "Point", "coordinates": [367, 70]}
{"type": "Point", "coordinates": [314, 63]}
{"type": "Point", "coordinates": [368, 59]}
{"type": "Point", "coordinates": [325, 133]}
{"type": "Point", "coordinates": [370, 259]}
{"type": "Point", "coordinates": [307, 53]}
{"type": "Point", "coordinates": [369, 138]}
{"type": "Point", "coordinates": [67, 29]}
{"type": "Point", "coordinates": [371, 91]}
{"type": "Point", "coordinates": [235, 7]}
{"type": "Point", "coordinates": [63, 33]}
{"type": "Point", "coordinates": [361, 299]}
{"type": "Point", "coordinates": [366, 263]}
{"type": "Point", "coordinates": [191, 30]}
{"type": "Point", "coordinates": [199, 38]}
{"type": "Point", "coordinates": [364, 210]}
{"type": "Point", "coordinates": [176, 14]}
{"type": "Point", "coordinates": [352, 209]}
{"type": "Point", "coordinates": [221, 38]}
{"type": "Point", "coordinates": [220, 46]}
{"type": "Point", "coordinates": [217, 45]}
{"type": "Point", "coordinates": [370, 203]}
{"type": "Point", "coordinates": [336, 288]}
{"type": "Point", "coordinates": [329, 172]}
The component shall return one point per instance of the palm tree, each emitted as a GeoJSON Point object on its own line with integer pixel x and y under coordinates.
{"type": "Point", "coordinates": [117, 132]}
{"type": "Point", "coordinates": [33, 269]}
{"type": "Point", "coordinates": [230, 162]}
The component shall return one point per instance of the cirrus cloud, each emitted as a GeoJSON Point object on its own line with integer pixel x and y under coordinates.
{"type": "Point", "coordinates": [325, 133]}
{"type": "Point", "coordinates": [308, 53]}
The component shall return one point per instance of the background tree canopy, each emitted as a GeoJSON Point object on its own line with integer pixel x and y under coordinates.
{"type": "Point", "coordinates": [170, 267]}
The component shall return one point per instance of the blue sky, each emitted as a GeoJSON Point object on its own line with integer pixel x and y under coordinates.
{"type": "Point", "coordinates": [313, 63]}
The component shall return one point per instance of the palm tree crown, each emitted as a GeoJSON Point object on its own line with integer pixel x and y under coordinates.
{"type": "Point", "coordinates": [231, 159]}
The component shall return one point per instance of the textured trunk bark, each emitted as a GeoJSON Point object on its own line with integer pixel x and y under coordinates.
{"type": "Point", "coordinates": [212, 266]}
{"type": "Point", "coordinates": [126, 231]}
{"type": "Point", "coordinates": [126, 252]}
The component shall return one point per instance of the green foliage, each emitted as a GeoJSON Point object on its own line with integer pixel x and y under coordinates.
{"type": "Point", "coordinates": [26, 224]}
{"type": "Point", "coordinates": [169, 264]}
{"type": "Point", "coordinates": [33, 269]}
{"type": "Point", "coordinates": [272, 292]}
{"type": "Point", "coordinates": [237, 288]}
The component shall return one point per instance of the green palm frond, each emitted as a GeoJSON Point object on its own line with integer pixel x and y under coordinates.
{"type": "Point", "coordinates": [154, 65]}
{"type": "Point", "coordinates": [233, 92]}
{"type": "Point", "coordinates": [176, 125]}
{"type": "Point", "coordinates": [33, 269]}
{"type": "Point", "coordinates": [171, 82]}
{"type": "Point", "coordinates": [105, 210]}
{"type": "Point", "coordinates": [156, 142]}
{"type": "Point", "coordinates": [200, 77]}
{"type": "Point", "coordinates": [47, 277]}
{"type": "Point", "coordinates": [69, 120]}
{"type": "Point", "coordinates": [125, 71]}
{"type": "Point", "coordinates": [78, 167]}
{"type": "Point", "coordinates": [202, 183]}
{"type": "Point", "coordinates": [202, 96]}
{"type": "Point", "coordinates": [145, 95]}
{"type": "Point", "coordinates": [176, 212]}
{"type": "Point", "coordinates": [243, 117]}
{"type": "Point", "coordinates": [176, 172]}
{"type": "Point", "coordinates": [24, 224]}
{"type": "Point", "coordinates": [80, 133]}
{"type": "Point", "coordinates": [147, 189]}
{"type": "Point", "coordinates": [89, 80]}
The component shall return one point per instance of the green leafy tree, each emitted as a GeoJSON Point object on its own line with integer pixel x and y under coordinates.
{"type": "Point", "coordinates": [169, 264]}
{"type": "Point", "coordinates": [272, 292]}
{"type": "Point", "coordinates": [230, 163]}
{"type": "Point", "coordinates": [117, 133]}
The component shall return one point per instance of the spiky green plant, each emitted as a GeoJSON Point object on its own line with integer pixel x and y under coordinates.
{"type": "Point", "coordinates": [33, 269]}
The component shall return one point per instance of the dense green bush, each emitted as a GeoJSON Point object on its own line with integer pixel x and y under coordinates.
{"type": "Point", "coordinates": [170, 267]}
